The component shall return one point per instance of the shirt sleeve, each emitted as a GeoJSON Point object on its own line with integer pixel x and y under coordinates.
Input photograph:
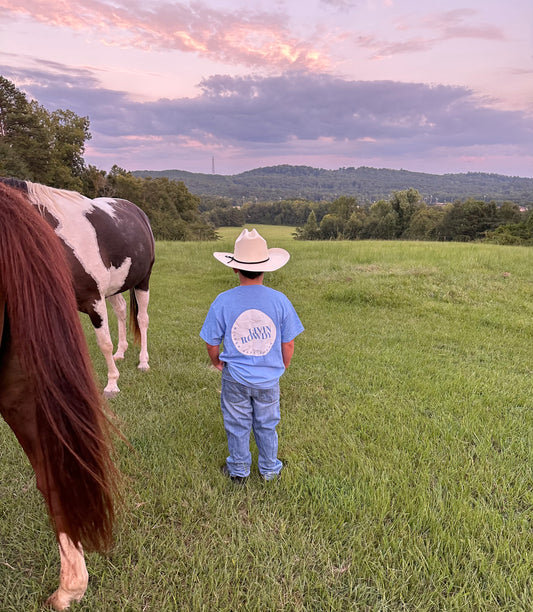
{"type": "Point", "coordinates": [212, 330]}
{"type": "Point", "coordinates": [292, 326]}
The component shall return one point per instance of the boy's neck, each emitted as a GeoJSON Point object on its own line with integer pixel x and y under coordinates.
{"type": "Point", "coordinates": [244, 281]}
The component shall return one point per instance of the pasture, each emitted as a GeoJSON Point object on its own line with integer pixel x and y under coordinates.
{"type": "Point", "coordinates": [407, 422]}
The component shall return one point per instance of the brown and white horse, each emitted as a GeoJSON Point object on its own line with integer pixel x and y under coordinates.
{"type": "Point", "coordinates": [48, 394]}
{"type": "Point", "coordinates": [110, 249]}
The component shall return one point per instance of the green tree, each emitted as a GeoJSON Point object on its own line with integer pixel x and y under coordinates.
{"type": "Point", "coordinates": [225, 217]}
{"type": "Point", "coordinates": [405, 204]}
{"type": "Point", "coordinates": [40, 146]}
{"type": "Point", "coordinates": [509, 212]}
{"type": "Point", "coordinates": [354, 228]}
{"type": "Point", "coordinates": [68, 133]}
{"type": "Point", "coordinates": [23, 137]}
{"type": "Point", "coordinates": [381, 222]}
{"type": "Point", "coordinates": [343, 207]}
{"type": "Point", "coordinates": [424, 223]}
{"type": "Point", "coordinates": [513, 233]}
{"type": "Point", "coordinates": [122, 184]}
{"type": "Point", "coordinates": [94, 182]}
{"type": "Point", "coordinates": [331, 227]}
{"type": "Point", "coordinates": [468, 220]}
{"type": "Point", "coordinates": [310, 230]}
{"type": "Point", "coordinates": [208, 202]}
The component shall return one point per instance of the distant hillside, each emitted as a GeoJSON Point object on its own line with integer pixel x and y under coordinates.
{"type": "Point", "coordinates": [368, 184]}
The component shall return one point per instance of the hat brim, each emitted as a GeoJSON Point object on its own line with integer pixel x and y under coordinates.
{"type": "Point", "coordinates": [277, 258]}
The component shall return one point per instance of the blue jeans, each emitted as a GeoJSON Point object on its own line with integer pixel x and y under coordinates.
{"type": "Point", "coordinates": [245, 409]}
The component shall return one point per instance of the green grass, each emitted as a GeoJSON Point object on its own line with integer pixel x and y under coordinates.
{"type": "Point", "coordinates": [406, 428]}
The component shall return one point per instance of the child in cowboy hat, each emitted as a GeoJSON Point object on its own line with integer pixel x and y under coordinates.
{"type": "Point", "coordinates": [255, 326]}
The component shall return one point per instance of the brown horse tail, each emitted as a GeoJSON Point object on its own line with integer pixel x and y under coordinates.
{"type": "Point", "coordinates": [81, 482]}
{"type": "Point", "coordinates": [134, 323]}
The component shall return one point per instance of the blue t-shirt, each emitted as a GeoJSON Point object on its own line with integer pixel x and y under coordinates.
{"type": "Point", "coordinates": [251, 322]}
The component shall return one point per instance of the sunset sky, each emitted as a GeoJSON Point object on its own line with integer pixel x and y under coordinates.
{"type": "Point", "coordinates": [431, 86]}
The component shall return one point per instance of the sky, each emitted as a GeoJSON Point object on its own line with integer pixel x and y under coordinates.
{"type": "Point", "coordinates": [438, 86]}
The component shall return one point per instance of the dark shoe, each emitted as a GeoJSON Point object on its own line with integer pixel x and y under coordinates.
{"type": "Point", "coordinates": [240, 480]}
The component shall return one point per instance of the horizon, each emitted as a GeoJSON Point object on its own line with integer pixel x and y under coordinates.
{"type": "Point", "coordinates": [332, 170]}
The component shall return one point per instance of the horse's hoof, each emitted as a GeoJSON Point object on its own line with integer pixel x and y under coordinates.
{"type": "Point", "coordinates": [61, 600]}
{"type": "Point", "coordinates": [143, 367]}
{"type": "Point", "coordinates": [111, 393]}
{"type": "Point", "coordinates": [117, 357]}
{"type": "Point", "coordinates": [50, 604]}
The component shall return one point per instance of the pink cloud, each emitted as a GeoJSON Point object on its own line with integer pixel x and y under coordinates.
{"type": "Point", "coordinates": [251, 38]}
{"type": "Point", "coordinates": [451, 25]}
{"type": "Point", "coordinates": [437, 28]}
{"type": "Point", "coordinates": [383, 49]}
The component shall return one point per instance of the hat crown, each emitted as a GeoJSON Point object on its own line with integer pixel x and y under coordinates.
{"type": "Point", "coordinates": [250, 247]}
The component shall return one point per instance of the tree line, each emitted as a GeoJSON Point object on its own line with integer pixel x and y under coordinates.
{"type": "Point", "coordinates": [48, 147]}
{"type": "Point", "coordinates": [403, 216]}
{"type": "Point", "coordinates": [406, 216]}
{"type": "Point", "coordinates": [222, 211]}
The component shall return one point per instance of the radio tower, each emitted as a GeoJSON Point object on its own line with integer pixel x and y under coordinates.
{"type": "Point", "coordinates": [213, 165]}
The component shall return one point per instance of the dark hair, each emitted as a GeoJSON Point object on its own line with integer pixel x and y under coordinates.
{"type": "Point", "coordinates": [249, 274]}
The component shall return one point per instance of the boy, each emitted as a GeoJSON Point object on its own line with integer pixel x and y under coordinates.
{"type": "Point", "coordinates": [256, 326]}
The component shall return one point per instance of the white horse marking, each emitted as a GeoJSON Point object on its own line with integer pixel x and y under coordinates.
{"type": "Point", "coordinates": [120, 309]}
{"type": "Point", "coordinates": [143, 297]}
{"type": "Point", "coordinates": [73, 577]}
{"type": "Point", "coordinates": [105, 344]}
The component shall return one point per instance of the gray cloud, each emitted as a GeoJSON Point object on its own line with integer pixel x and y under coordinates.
{"type": "Point", "coordinates": [341, 4]}
{"type": "Point", "coordinates": [287, 113]}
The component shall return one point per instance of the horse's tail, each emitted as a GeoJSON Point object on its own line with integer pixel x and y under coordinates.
{"type": "Point", "coordinates": [134, 313]}
{"type": "Point", "coordinates": [80, 483]}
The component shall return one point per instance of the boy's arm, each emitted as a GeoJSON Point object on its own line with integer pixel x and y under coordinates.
{"type": "Point", "coordinates": [213, 352]}
{"type": "Point", "coordinates": [287, 351]}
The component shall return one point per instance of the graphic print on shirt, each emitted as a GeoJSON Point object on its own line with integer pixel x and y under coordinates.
{"type": "Point", "coordinates": [253, 333]}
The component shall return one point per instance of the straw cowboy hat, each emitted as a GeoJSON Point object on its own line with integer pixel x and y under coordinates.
{"type": "Point", "coordinates": [251, 253]}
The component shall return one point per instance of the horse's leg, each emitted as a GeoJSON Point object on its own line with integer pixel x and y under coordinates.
{"type": "Point", "coordinates": [17, 406]}
{"type": "Point", "coordinates": [143, 297]}
{"type": "Point", "coordinates": [119, 307]}
{"type": "Point", "coordinates": [73, 577]}
{"type": "Point", "coordinates": [103, 339]}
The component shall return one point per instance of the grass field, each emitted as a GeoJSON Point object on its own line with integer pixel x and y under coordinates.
{"type": "Point", "coordinates": [406, 430]}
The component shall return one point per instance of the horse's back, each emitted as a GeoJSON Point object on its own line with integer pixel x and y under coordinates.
{"type": "Point", "coordinates": [109, 241]}
{"type": "Point", "coordinates": [123, 232]}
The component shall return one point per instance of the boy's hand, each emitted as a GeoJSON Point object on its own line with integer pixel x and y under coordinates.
{"type": "Point", "coordinates": [287, 351]}
{"type": "Point", "coordinates": [213, 352]}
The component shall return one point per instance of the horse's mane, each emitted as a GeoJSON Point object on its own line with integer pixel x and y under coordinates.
{"type": "Point", "coordinates": [51, 198]}
{"type": "Point", "coordinates": [48, 337]}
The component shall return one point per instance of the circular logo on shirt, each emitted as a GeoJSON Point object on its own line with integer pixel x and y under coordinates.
{"type": "Point", "coordinates": [253, 333]}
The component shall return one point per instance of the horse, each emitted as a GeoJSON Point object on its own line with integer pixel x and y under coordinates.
{"type": "Point", "coordinates": [110, 249]}
{"type": "Point", "coordinates": [48, 393]}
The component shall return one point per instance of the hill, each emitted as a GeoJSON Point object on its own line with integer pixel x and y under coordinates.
{"type": "Point", "coordinates": [368, 184]}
